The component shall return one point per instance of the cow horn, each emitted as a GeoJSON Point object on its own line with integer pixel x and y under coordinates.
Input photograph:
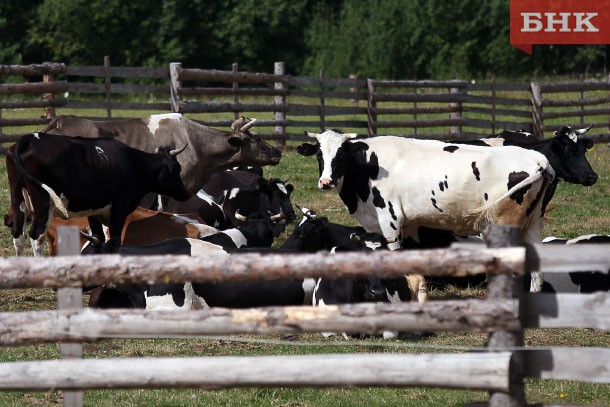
{"type": "Point", "coordinates": [246, 126]}
{"type": "Point", "coordinates": [312, 135]}
{"type": "Point", "coordinates": [391, 239]}
{"type": "Point", "coordinates": [275, 217]}
{"type": "Point", "coordinates": [237, 123]}
{"type": "Point", "coordinates": [240, 217]}
{"type": "Point", "coordinates": [354, 237]}
{"type": "Point", "coordinates": [583, 131]}
{"type": "Point", "coordinates": [178, 151]}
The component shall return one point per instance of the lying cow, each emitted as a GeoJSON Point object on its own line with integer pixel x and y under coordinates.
{"type": "Point", "coordinates": [142, 226]}
{"type": "Point", "coordinates": [577, 281]}
{"type": "Point", "coordinates": [392, 183]}
{"type": "Point", "coordinates": [79, 177]}
{"type": "Point", "coordinates": [329, 291]}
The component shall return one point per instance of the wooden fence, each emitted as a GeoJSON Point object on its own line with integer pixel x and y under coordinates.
{"type": "Point", "coordinates": [286, 105]}
{"type": "Point", "coordinates": [504, 314]}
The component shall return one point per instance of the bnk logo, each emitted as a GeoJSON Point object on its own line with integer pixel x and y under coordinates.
{"type": "Point", "coordinates": [559, 22]}
{"type": "Point", "coordinates": [563, 22]}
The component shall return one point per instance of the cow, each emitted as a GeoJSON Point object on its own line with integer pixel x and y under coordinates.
{"type": "Point", "coordinates": [202, 295]}
{"type": "Point", "coordinates": [390, 184]}
{"type": "Point", "coordinates": [79, 177]}
{"type": "Point", "coordinates": [142, 226]}
{"type": "Point", "coordinates": [565, 152]}
{"type": "Point", "coordinates": [315, 234]}
{"type": "Point", "coordinates": [329, 291]}
{"type": "Point", "coordinates": [229, 192]}
{"type": "Point", "coordinates": [211, 150]}
{"type": "Point", "coordinates": [210, 212]}
{"type": "Point", "coordinates": [577, 281]}
{"type": "Point", "coordinates": [274, 194]}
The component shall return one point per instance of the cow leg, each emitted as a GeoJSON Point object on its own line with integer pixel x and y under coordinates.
{"type": "Point", "coordinates": [531, 236]}
{"type": "Point", "coordinates": [39, 200]}
{"type": "Point", "coordinates": [18, 231]}
{"type": "Point", "coordinates": [17, 218]}
{"type": "Point", "coordinates": [115, 230]}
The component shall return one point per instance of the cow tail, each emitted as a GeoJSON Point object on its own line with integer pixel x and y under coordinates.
{"type": "Point", "coordinates": [20, 147]}
{"type": "Point", "coordinates": [485, 215]}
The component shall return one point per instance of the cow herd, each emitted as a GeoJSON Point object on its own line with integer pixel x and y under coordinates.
{"type": "Point", "coordinates": [169, 185]}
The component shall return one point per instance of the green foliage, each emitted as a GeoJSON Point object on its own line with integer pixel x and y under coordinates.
{"type": "Point", "coordinates": [387, 39]}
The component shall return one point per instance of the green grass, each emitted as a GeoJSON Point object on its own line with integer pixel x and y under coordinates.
{"type": "Point", "coordinates": [577, 210]}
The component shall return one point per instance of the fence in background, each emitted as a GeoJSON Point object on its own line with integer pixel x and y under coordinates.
{"type": "Point", "coordinates": [504, 314]}
{"type": "Point", "coordinates": [286, 105]}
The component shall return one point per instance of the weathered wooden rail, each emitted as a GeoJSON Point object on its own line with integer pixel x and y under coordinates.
{"type": "Point", "coordinates": [504, 315]}
{"type": "Point", "coordinates": [286, 105]}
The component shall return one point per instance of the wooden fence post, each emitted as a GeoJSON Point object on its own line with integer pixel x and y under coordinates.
{"type": "Point", "coordinates": [537, 115]}
{"type": "Point", "coordinates": [322, 102]}
{"type": "Point", "coordinates": [371, 116]}
{"type": "Point", "coordinates": [279, 68]}
{"type": "Point", "coordinates": [107, 86]}
{"type": "Point", "coordinates": [493, 104]}
{"type": "Point", "coordinates": [455, 131]}
{"type": "Point", "coordinates": [503, 286]}
{"type": "Point", "coordinates": [68, 244]}
{"type": "Point", "coordinates": [49, 111]}
{"type": "Point", "coordinates": [174, 74]}
{"type": "Point", "coordinates": [235, 87]}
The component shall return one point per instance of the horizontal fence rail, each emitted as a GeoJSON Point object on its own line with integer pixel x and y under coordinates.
{"type": "Point", "coordinates": [77, 271]}
{"type": "Point", "coordinates": [286, 105]}
{"type": "Point", "coordinates": [471, 371]}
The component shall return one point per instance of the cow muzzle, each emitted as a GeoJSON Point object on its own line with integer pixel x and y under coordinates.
{"type": "Point", "coordinates": [325, 183]}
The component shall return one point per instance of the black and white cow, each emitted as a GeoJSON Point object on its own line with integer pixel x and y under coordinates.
{"type": "Point", "coordinates": [102, 179]}
{"type": "Point", "coordinates": [392, 183]}
{"type": "Point", "coordinates": [565, 152]}
{"type": "Point", "coordinates": [578, 281]}
{"type": "Point", "coordinates": [256, 232]}
{"type": "Point", "coordinates": [330, 291]}
{"type": "Point", "coordinates": [315, 234]}
{"type": "Point", "coordinates": [244, 192]}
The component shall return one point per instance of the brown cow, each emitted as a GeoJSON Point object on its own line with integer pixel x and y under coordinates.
{"type": "Point", "coordinates": [142, 227]}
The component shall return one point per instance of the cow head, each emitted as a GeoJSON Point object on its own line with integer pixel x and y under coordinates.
{"type": "Point", "coordinates": [281, 191]}
{"type": "Point", "coordinates": [249, 148]}
{"type": "Point", "coordinates": [168, 180]}
{"type": "Point", "coordinates": [573, 165]}
{"type": "Point", "coordinates": [258, 228]}
{"type": "Point", "coordinates": [331, 148]}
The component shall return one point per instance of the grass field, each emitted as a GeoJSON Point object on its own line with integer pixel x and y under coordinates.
{"type": "Point", "coordinates": [577, 210]}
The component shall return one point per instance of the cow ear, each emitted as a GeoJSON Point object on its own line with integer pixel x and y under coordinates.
{"type": "Point", "coordinates": [235, 141]}
{"type": "Point", "coordinates": [307, 149]}
{"type": "Point", "coordinates": [589, 144]}
{"type": "Point", "coordinates": [289, 188]}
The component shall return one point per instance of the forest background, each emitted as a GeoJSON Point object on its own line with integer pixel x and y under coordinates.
{"type": "Point", "coordinates": [390, 39]}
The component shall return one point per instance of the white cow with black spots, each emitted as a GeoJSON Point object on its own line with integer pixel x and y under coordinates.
{"type": "Point", "coordinates": [390, 184]}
